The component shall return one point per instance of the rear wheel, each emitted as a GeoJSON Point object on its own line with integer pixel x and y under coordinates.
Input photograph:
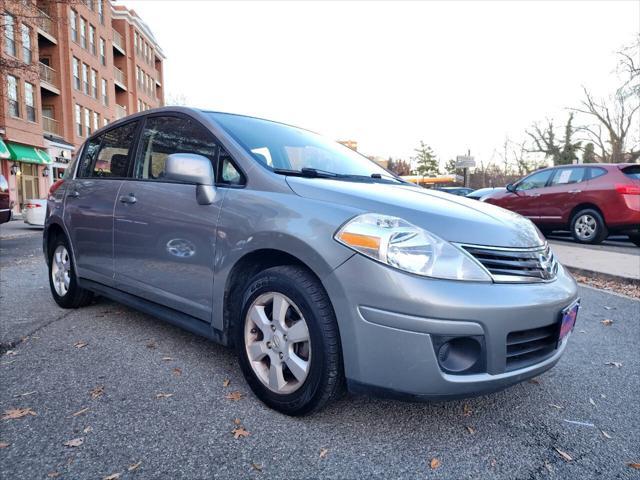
{"type": "Point", "coordinates": [288, 343]}
{"type": "Point", "coordinates": [62, 279]}
{"type": "Point", "coordinates": [587, 226]}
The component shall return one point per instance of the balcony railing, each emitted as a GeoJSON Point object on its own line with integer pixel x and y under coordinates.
{"type": "Point", "coordinates": [48, 74]}
{"type": "Point", "coordinates": [120, 112]}
{"type": "Point", "coordinates": [117, 40]}
{"type": "Point", "coordinates": [50, 125]}
{"type": "Point", "coordinates": [45, 23]}
{"type": "Point", "coordinates": [119, 76]}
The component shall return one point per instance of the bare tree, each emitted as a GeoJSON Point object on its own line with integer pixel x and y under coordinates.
{"type": "Point", "coordinates": [561, 151]}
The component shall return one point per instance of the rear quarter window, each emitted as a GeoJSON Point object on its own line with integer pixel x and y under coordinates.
{"type": "Point", "coordinates": [595, 172]}
{"type": "Point", "coordinates": [632, 172]}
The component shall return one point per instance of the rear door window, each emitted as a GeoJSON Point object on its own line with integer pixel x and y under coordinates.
{"type": "Point", "coordinates": [112, 160]}
{"type": "Point", "coordinates": [565, 176]}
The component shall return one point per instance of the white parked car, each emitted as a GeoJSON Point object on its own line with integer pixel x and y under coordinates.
{"type": "Point", "coordinates": [34, 211]}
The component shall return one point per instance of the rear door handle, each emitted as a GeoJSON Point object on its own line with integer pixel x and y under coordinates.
{"type": "Point", "coordinates": [575, 191]}
{"type": "Point", "coordinates": [73, 194]}
{"type": "Point", "coordinates": [535, 194]}
{"type": "Point", "coordinates": [130, 199]}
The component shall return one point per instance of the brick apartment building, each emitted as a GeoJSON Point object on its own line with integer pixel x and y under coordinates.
{"type": "Point", "coordinates": [75, 66]}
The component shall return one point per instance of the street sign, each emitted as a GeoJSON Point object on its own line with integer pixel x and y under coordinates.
{"type": "Point", "coordinates": [464, 161]}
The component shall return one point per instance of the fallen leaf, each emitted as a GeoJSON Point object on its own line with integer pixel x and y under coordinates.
{"type": "Point", "coordinates": [53, 474]}
{"type": "Point", "coordinates": [466, 410]}
{"type": "Point", "coordinates": [167, 359]}
{"type": "Point", "coordinates": [606, 322]}
{"type": "Point", "coordinates": [164, 395]}
{"type": "Point", "coordinates": [151, 345]}
{"type": "Point", "coordinates": [177, 371]}
{"type": "Point", "coordinates": [134, 466]}
{"type": "Point", "coordinates": [226, 382]}
{"type": "Point", "coordinates": [10, 352]}
{"type": "Point", "coordinates": [493, 462]}
{"type": "Point", "coordinates": [614, 364]}
{"type": "Point", "coordinates": [236, 421]}
{"type": "Point", "coordinates": [592, 402]}
{"type": "Point", "coordinates": [24, 394]}
{"type": "Point", "coordinates": [76, 442]}
{"type": "Point", "coordinates": [434, 463]}
{"type": "Point", "coordinates": [556, 406]}
{"type": "Point", "coordinates": [13, 413]}
{"type": "Point", "coordinates": [535, 381]}
{"type": "Point", "coordinates": [256, 466]}
{"type": "Point", "coordinates": [97, 392]}
{"type": "Point", "coordinates": [607, 308]}
{"type": "Point", "coordinates": [548, 466]}
{"type": "Point", "coordinates": [564, 455]}
{"type": "Point", "coordinates": [113, 476]}
{"type": "Point", "coordinates": [80, 412]}
{"type": "Point", "coordinates": [605, 434]}
{"type": "Point", "coordinates": [471, 430]}
{"type": "Point", "coordinates": [235, 396]}
{"type": "Point", "coordinates": [635, 465]}
{"type": "Point", "coordinates": [324, 452]}
{"type": "Point", "coordinates": [239, 432]}
{"type": "Point", "coordinates": [80, 344]}
{"type": "Point", "coordinates": [88, 429]}
{"type": "Point", "coordinates": [4, 444]}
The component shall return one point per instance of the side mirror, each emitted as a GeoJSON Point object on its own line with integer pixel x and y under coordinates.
{"type": "Point", "coordinates": [194, 169]}
{"type": "Point", "coordinates": [511, 188]}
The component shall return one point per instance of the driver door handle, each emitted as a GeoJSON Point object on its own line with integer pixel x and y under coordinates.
{"type": "Point", "coordinates": [535, 194]}
{"type": "Point", "coordinates": [129, 199]}
{"type": "Point", "coordinates": [575, 191]}
{"type": "Point", "coordinates": [73, 194]}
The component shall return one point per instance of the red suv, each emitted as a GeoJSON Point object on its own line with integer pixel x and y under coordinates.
{"type": "Point", "coordinates": [591, 200]}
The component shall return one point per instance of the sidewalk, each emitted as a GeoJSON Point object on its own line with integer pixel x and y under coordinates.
{"type": "Point", "coordinates": [585, 260]}
{"type": "Point", "coordinates": [17, 228]}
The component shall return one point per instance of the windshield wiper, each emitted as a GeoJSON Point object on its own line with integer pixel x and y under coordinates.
{"type": "Point", "coordinates": [310, 173]}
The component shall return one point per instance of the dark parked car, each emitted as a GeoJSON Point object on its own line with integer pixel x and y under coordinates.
{"type": "Point", "coordinates": [462, 191]}
{"type": "Point", "coordinates": [5, 203]}
{"type": "Point", "coordinates": [483, 193]}
{"type": "Point", "coordinates": [591, 201]}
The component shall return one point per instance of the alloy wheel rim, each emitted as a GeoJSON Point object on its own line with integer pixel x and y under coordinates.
{"type": "Point", "coordinates": [586, 227]}
{"type": "Point", "coordinates": [276, 338]}
{"type": "Point", "coordinates": [61, 270]}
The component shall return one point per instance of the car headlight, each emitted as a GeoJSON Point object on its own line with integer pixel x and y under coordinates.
{"type": "Point", "coordinates": [400, 244]}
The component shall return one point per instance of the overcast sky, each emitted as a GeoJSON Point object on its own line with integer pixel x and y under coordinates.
{"type": "Point", "coordinates": [457, 75]}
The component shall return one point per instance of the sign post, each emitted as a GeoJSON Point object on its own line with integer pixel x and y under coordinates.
{"type": "Point", "coordinates": [465, 162]}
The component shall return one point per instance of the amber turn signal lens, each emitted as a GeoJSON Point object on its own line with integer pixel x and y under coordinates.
{"type": "Point", "coordinates": [358, 240]}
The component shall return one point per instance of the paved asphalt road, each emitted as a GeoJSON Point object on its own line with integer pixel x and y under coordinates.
{"type": "Point", "coordinates": [513, 434]}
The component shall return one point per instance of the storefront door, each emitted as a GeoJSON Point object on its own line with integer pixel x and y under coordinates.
{"type": "Point", "coordinates": [28, 184]}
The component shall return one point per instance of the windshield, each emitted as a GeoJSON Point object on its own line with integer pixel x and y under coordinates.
{"type": "Point", "coordinates": [286, 148]}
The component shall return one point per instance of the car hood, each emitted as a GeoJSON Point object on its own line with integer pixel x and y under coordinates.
{"type": "Point", "coordinates": [453, 218]}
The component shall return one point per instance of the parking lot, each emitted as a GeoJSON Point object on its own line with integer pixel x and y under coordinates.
{"type": "Point", "coordinates": [112, 391]}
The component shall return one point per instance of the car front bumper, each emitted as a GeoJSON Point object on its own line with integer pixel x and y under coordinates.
{"type": "Point", "coordinates": [389, 321]}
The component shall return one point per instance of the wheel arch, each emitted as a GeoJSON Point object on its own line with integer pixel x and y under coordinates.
{"type": "Point", "coordinates": [585, 206]}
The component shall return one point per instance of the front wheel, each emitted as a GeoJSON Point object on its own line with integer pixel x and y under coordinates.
{"type": "Point", "coordinates": [288, 343]}
{"type": "Point", "coordinates": [62, 280]}
{"type": "Point", "coordinates": [587, 226]}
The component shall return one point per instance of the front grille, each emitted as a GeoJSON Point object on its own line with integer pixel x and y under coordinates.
{"type": "Point", "coordinates": [516, 265]}
{"type": "Point", "coordinates": [527, 347]}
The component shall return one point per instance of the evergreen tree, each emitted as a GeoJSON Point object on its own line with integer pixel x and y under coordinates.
{"type": "Point", "coordinates": [427, 163]}
{"type": "Point", "coordinates": [589, 153]}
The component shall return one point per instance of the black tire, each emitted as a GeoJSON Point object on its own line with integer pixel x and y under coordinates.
{"type": "Point", "coordinates": [75, 296]}
{"type": "Point", "coordinates": [635, 239]}
{"type": "Point", "coordinates": [599, 233]}
{"type": "Point", "coordinates": [325, 378]}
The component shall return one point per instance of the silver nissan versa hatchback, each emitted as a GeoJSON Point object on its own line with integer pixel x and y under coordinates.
{"type": "Point", "coordinates": [324, 270]}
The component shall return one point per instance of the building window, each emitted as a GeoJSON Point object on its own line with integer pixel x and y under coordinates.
{"type": "Point", "coordinates": [105, 97]}
{"type": "Point", "coordinates": [135, 40]}
{"type": "Point", "coordinates": [87, 120]}
{"type": "Point", "coordinates": [12, 93]}
{"type": "Point", "coordinates": [92, 39]}
{"type": "Point", "coordinates": [139, 105]}
{"type": "Point", "coordinates": [9, 35]}
{"type": "Point", "coordinates": [105, 121]}
{"type": "Point", "coordinates": [96, 121]}
{"type": "Point", "coordinates": [83, 33]}
{"type": "Point", "coordinates": [73, 20]}
{"type": "Point", "coordinates": [94, 83]}
{"type": "Point", "coordinates": [78, 120]}
{"type": "Point", "coordinates": [76, 73]}
{"type": "Point", "coordinates": [90, 4]}
{"type": "Point", "coordinates": [101, 11]}
{"type": "Point", "coordinates": [103, 58]}
{"type": "Point", "coordinates": [85, 78]}
{"type": "Point", "coordinates": [26, 44]}
{"type": "Point", "coordinates": [29, 101]}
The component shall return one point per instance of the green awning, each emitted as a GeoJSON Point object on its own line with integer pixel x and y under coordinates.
{"type": "Point", "coordinates": [4, 151]}
{"type": "Point", "coordinates": [27, 154]}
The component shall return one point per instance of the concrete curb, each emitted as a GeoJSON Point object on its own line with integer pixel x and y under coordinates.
{"type": "Point", "coordinates": [603, 276]}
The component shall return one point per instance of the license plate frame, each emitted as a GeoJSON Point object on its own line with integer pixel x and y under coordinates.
{"type": "Point", "coordinates": [568, 318]}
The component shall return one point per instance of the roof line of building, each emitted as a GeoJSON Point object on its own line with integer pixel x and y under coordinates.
{"type": "Point", "coordinates": [121, 12]}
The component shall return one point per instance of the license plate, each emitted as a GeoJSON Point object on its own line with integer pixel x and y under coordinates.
{"type": "Point", "coordinates": [568, 320]}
